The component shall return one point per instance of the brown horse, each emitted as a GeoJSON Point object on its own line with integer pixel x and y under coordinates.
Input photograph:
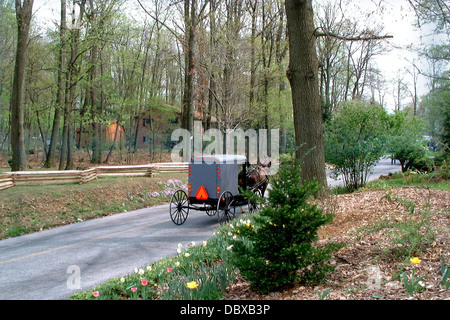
{"type": "Point", "coordinates": [258, 178]}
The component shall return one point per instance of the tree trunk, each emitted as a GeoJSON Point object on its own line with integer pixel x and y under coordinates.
{"type": "Point", "coordinates": [66, 156]}
{"type": "Point", "coordinates": [253, 6]}
{"type": "Point", "coordinates": [189, 17]}
{"type": "Point", "coordinates": [41, 131]}
{"type": "Point", "coordinates": [23, 15]}
{"type": "Point", "coordinates": [96, 123]}
{"type": "Point", "coordinates": [303, 78]}
{"type": "Point", "coordinates": [280, 50]}
{"type": "Point", "coordinates": [51, 155]}
{"type": "Point", "coordinates": [212, 54]}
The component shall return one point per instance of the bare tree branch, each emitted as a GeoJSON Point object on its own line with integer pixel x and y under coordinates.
{"type": "Point", "coordinates": [177, 36]}
{"type": "Point", "coordinates": [362, 37]}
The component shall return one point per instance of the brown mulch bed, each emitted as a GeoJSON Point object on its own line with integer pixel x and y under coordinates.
{"type": "Point", "coordinates": [367, 267]}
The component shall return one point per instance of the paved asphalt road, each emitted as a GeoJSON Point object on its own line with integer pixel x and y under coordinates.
{"type": "Point", "coordinates": [41, 266]}
{"type": "Point", "coordinates": [383, 167]}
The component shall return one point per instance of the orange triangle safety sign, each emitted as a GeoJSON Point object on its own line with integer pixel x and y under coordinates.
{"type": "Point", "coordinates": [201, 194]}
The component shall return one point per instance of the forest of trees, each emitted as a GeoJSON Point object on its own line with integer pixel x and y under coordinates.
{"type": "Point", "coordinates": [229, 63]}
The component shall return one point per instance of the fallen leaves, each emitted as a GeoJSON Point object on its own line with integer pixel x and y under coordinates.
{"type": "Point", "coordinates": [365, 269]}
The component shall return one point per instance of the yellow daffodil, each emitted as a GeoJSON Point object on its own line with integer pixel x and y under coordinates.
{"type": "Point", "coordinates": [415, 260]}
{"type": "Point", "coordinates": [192, 285]}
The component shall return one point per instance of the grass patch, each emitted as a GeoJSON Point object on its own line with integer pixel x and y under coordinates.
{"type": "Point", "coordinates": [193, 273]}
{"type": "Point", "coordinates": [433, 181]}
{"type": "Point", "coordinates": [30, 208]}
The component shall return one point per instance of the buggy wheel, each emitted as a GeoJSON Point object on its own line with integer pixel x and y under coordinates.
{"type": "Point", "coordinates": [226, 209]}
{"type": "Point", "coordinates": [179, 207]}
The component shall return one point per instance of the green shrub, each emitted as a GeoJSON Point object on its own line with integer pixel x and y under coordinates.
{"type": "Point", "coordinates": [406, 142]}
{"type": "Point", "coordinates": [355, 139]}
{"type": "Point", "coordinates": [409, 152]}
{"type": "Point", "coordinates": [277, 246]}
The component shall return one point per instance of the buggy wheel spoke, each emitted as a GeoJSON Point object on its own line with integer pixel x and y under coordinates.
{"type": "Point", "coordinates": [225, 212]}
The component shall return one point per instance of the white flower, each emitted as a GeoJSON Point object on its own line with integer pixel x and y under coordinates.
{"type": "Point", "coordinates": [193, 243]}
{"type": "Point", "coordinates": [149, 268]}
{"type": "Point", "coordinates": [230, 247]}
{"type": "Point", "coordinates": [140, 272]}
{"type": "Point", "coordinates": [205, 243]}
{"type": "Point", "coordinates": [178, 250]}
{"type": "Point", "coordinates": [122, 280]}
{"type": "Point", "coordinates": [186, 254]}
{"type": "Point", "coordinates": [177, 264]}
{"type": "Point", "coordinates": [180, 246]}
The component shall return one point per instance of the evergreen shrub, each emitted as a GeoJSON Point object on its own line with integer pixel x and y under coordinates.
{"type": "Point", "coordinates": [278, 246]}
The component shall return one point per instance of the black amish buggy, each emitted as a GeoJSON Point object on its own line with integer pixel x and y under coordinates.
{"type": "Point", "coordinates": [214, 185]}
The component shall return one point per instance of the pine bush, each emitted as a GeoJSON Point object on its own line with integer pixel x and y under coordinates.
{"type": "Point", "coordinates": [278, 247]}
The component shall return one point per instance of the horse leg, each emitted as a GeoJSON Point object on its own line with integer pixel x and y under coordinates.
{"type": "Point", "coordinates": [263, 189]}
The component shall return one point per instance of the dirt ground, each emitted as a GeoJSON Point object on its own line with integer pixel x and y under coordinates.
{"type": "Point", "coordinates": [367, 267]}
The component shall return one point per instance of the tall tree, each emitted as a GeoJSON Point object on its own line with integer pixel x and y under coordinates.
{"type": "Point", "coordinates": [252, 7]}
{"type": "Point", "coordinates": [23, 15]}
{"type": "Point", "coordinates": [66, 155]}
{"type": "Point", "coordinates": [188, 95]}
{"type": "Point", "coordinates": [303, 77]}
{"type": "Point", "coordinates": [51, 154]}
{"type": "Point", "coordinates": [98, 15]}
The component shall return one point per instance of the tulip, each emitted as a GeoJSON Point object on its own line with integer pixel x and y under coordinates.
{"type": "Point", "coordinates": [192, 285]}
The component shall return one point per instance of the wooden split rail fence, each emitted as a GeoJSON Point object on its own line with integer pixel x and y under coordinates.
{"type": "Point", "coordinates": [6, 181]}
{"type": "Point", "coordinates": [11, 179]}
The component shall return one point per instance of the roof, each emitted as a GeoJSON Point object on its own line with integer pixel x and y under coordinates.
{"type": "Point", "coordinates": [220, 158]}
